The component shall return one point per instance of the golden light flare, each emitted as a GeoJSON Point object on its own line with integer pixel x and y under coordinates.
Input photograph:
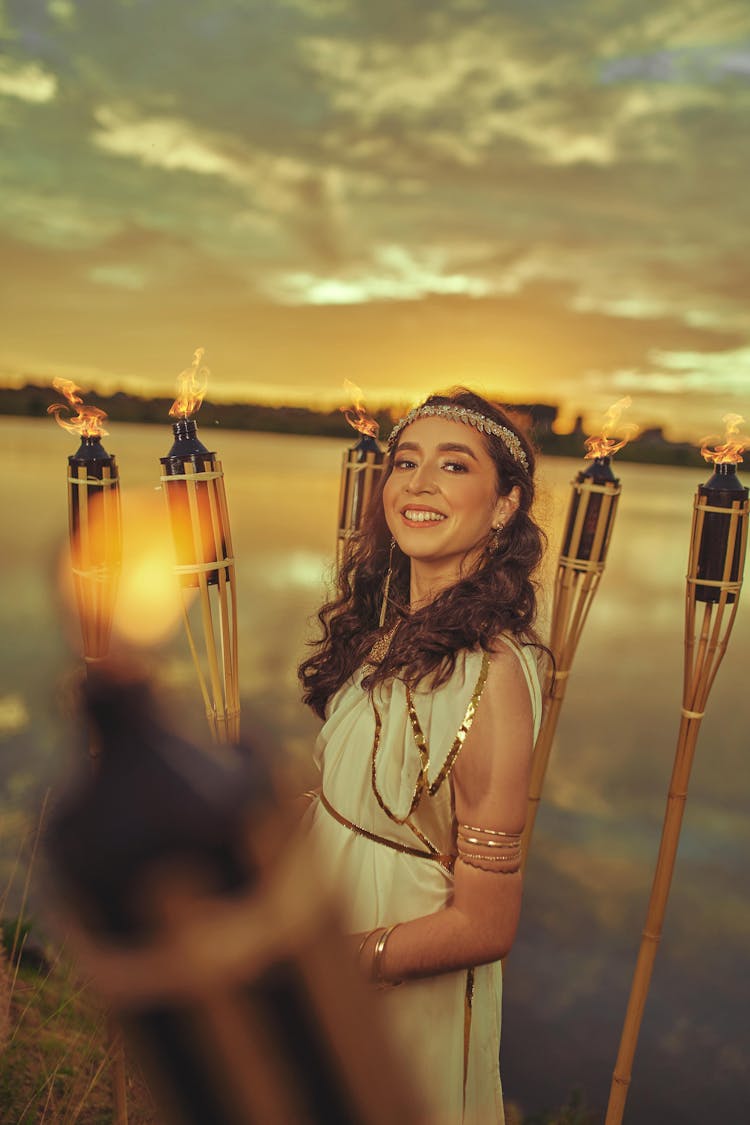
{"type": "Point", "coordinates": [88, 419]}
{"type": "Point", "coordinates": [191, 387]}
{"type": "Point", "coordinates": [730, 451]}
{"type": "Point", "coordinates": [149, 604]}
{"type": "Point", "coordinates": [603, 444]}
{"type": "Point", "coordinates": [356, 415]}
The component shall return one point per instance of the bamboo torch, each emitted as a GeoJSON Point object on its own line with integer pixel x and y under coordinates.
{"type": "Point", "coordinates": [193, 482]}
{"type": "Point", "coordinates": [588, 529]}
{"type": "Point", "coordinates": [94, 522]}
{"type": "Point", "coordinates": [95, 532]}
{"type": "Point", "coordinates": [360, 470]}
{"type": "Point", "coordinates": [716, 560]}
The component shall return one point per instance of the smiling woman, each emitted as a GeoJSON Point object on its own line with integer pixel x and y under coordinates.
{"type": "Point", "coordinates": [426, 678]}
{"type": "Point", "coordinates": [441, 503]}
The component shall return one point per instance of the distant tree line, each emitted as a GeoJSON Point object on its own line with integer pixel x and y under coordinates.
{"type": "Point", "coordinates": [31, 401]}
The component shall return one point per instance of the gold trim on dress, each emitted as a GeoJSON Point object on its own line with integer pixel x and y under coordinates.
{"type": "Point", "coordinates": [445, 861]}
{"type": "Point", "coordinates": [463, 730]}
{"type": "Point", "coordinates": [421, 779]}
{"type": "Point", "coordinates": [422, 836]}
{"type": "Point", "coordinates": [423, 782]}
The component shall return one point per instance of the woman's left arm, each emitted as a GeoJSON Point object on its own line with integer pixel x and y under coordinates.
{"type": "Point", "coordinates": [490, 779]}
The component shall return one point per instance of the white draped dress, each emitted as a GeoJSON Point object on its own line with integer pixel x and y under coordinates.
{"type": "Point", "coordinates": [384, 827]}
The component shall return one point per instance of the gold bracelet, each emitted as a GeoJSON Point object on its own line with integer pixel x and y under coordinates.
{"type": "Point", "coordinates": [364, 942]}
{"type": "Point", "coordinates": [377, 959]}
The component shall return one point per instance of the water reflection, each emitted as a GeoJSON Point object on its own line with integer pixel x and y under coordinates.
{"type": "Point", "coordinates": [597, 831]}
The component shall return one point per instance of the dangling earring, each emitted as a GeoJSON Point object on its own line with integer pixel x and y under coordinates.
{"type": "Point", "coordinates": [493, 543]}
{"type": "Point", "coordinates": [386, 585]}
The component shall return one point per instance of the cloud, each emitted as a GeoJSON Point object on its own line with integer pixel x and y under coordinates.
{"type": "Point", "coordinates": [684, 65]}
{"type": "Point", "coordinates": [283, 196]}
{"type": "Point", "coordinates": [393, 274]}
{"type": "Point", "coordinates": [69, 222]}
{"type": "Point", "coordinates": [119, 276]}
{"type": "Point", "coordinates": [27, 81]}
{"type": "Point", "coordinates": [459, 91]}
{"type": "Point", "coordinates": [713, 365]}
{"type": "Point", "coordinates": [162, 142]}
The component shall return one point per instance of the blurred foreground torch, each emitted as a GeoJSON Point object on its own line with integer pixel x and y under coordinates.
{"type": "Point", "coordinates": [95, 530]}
{"type": "Point", "coordinates": [716, 560]}
{"type": "Point", "coordinates": [198, 922]}
{"type": "Point", "coordinates": [94, 520]}
{"type": "Point", "coordinates": [193, 483]}
{"type": "Point", "coordinates": [360, 470]}
{"type": "Point", "coordinates": [585, 542]}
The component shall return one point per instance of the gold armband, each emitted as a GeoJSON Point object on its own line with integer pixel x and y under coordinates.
{"type": "Point", "coordinates": [489, 849]}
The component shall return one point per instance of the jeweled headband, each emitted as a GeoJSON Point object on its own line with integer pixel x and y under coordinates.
{"type": "Point", "coordinates": [470, 418]}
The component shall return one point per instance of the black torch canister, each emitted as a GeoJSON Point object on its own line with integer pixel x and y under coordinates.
{"type": "Point", "coordinates": [198, 922]}
{"type": "Point", "coordinates": [720, 549]}
{"type": "Point", "coordinates": [591, 515]}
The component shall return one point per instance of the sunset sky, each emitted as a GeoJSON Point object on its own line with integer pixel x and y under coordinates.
{"type": "Point", "coordinates": [544, 199]}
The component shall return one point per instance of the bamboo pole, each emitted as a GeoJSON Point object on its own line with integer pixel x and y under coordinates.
{"type": "Point", "coordinates": [591, 515]}
{"type": "Point", "coordinates": [706, 639]}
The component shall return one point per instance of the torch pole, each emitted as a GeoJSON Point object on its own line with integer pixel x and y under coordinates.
{"type": "Point", "coordinates": [716, 582]}
{"type": "Point", "coordinates": [591, 515]}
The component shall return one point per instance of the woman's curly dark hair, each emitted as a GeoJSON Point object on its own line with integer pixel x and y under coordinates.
{"type": "Point", "coordinates": [499, 596]}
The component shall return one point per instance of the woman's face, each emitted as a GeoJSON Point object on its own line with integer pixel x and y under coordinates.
{"type": "Point", "coordinates": [441, 499]}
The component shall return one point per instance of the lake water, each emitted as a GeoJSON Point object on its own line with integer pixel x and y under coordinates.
{"type": "Point", "coordinates": [598, 828]}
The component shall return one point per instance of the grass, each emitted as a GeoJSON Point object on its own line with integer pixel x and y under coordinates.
{"type": "Point", "coordinates": [55, 1065]}
{"type": "Point", "coordinates": [55, 1056]}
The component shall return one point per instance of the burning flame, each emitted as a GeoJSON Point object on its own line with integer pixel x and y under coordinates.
{"type": "Point", "coordinates": [191, 387]}
{"type": "Point", "coordinates": [88, 419]}
{"type": "Point", "coordinates": [357, 416]}
{"type": "Point", "coordinates": [735, 443]}
{"type": "Point", "coordinates": [603, 445]}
